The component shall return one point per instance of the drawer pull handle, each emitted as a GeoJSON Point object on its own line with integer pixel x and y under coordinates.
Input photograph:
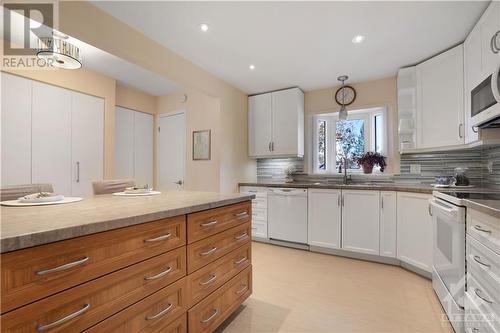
{"type": "Point", "coordinates": [480, 262]}
{"type": "Point", "coordinates": [63, 267]}
{"type": "Point", "coordinates": [159, 238]}
{"type": "Point", "coordinates": [479, 228]}
{"type": "Point", "coordinates": [478, 294]}
{"type": "Point", "coordinates": [159, 275]}
{"type": "Point", "coordinates": [161, 313]}
{"type": "Point", "coordinates": [241, 290]}
{"type": "Point", "coordinates": [209, 252]}
{"type": "Point", "coordinates": [209, 224]}
{"type": "Point", "coordinates": [242, 236]}
{"type": "Point", "coordinates": [254, 228]}
{"type": "Point", "coordinates": [42, 328]}
{"type": "Point", "coordinates": [204, 321]}
{"type": "Point", "coordinates": [245, 213]}
{"type": "Point", "coordinates": [252, 191]}
{"type": "Point", "coordinates": [243, 259]}
{"type": "Point", "coordinates": [211, 280]}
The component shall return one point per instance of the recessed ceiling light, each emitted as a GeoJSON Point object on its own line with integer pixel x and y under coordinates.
{"type": "Point", "coordinates": [358, 39]}
{"type": "Point", "coordinates": [204, 27]}
{"type": "Point", "coordinates": [251, 67]}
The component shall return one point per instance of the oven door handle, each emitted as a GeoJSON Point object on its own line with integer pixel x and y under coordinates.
{"type": "Point", "coordinates": [444, 207]}
{"type": "Point", "coordinates": [494, 83]}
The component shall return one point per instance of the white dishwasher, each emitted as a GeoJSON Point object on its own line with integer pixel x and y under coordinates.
{"type": "Point", "coordinates": [287, 214]}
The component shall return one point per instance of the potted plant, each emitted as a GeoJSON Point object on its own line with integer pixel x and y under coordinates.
{"type": "Point", "coordinates": [369, 159]}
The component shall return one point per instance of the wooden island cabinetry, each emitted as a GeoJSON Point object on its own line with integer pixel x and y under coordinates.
{"type": "Point", "coordinates": [181, 274]}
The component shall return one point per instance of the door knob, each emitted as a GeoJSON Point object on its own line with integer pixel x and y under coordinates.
{"type": "Point", "coordinates": [179, 182]}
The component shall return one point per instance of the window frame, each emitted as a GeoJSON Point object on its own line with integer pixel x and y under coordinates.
{"type": "Point", "coordinates": [368, 115]}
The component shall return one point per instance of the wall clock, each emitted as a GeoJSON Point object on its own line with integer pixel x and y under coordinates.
{"type": "Point", "coordinates": [349, 95]}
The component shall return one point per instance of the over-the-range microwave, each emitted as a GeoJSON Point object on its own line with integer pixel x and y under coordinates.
{"type": "Point", "coordinates": [485, 102]}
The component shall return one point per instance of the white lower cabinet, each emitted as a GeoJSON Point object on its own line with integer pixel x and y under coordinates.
{"type": "Point", "coordinates": [414, 231]}
{"type": "Point", "coordinates": [388, 223]}
{"type": "Point", "coordinates": [324, 218]}
{"type": "Point", "coordinates": [259, 211]}
{"type": "Point", "coordinates": [360, 221]}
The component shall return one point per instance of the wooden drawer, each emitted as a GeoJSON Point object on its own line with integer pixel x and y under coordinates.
{"type": "Point", "coordinates": [202, 253]}
{"type": "Point", "coordinates": [98, 299]}
{"type": "Point", "coordinates": [485, 228]}
{"type": "Point", "coordinates": [207, 315]}
{"type": "Point", "coordinates": [482, 261]}
{"type": "Point", "coordinates": [475, 320]}
{"type": "Point", "coordinates": [27, 276]}
{"type": "Point", "coordinates": [207, 279]}
{"type": "Point", "coordinates": [164, 311]}
{"type": "Point", "coordinates": [210, 222]}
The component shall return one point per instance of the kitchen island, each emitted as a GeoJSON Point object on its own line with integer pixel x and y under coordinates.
{"type": "Point", "coordinates": [175, 262]}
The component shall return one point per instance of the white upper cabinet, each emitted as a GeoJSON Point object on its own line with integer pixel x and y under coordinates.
{"type": "Point", "coordinates": [440, 106]}
{"type": "Point", "coordinates": [16, 130]}
{"type": "Point", "coordinates": [51, 137]}
{"type": "Point", "coordinates": [324, 218]}
{"type": "Point", "coordinates": [489, 24]}
{"type": "Point", "coordinates": [388, 223]}
{"type": "Point", "coordinates": [414, 231]}
{"type": "Point", "coordinates": [472, 77]}
{"type": "Point", "coordinates": [87, 143]}
{"type": "Point", "coordinates": [360, 221]}
{"type": "Point", "coordinates": [134, 146]}
{"type": "Point", "coordinates": [259, 125]}
{"type": "Point", "coordinates": [276, 124]}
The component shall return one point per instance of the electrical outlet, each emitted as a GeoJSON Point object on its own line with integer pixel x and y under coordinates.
{"type": "Point", "coordinates": [490, 166]}
{"type": "Point", "coordinates": [415, 168]}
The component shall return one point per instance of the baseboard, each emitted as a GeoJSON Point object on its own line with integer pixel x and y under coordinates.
{"type": "Point", "coordinates": [289, 244]}
{"type": "Point", "coordinates": [356, 255]}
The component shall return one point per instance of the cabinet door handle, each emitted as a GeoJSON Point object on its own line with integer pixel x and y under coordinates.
{"type": "Point", "coordinates": [343, 200]}
{"type": "Point", "coordinates": [42, 328]}
{"type": "Point", "coordinates": [381, 202]}
{"type": "Point", "coordinates": [478, 293]}
{"type": "Point", "coordinates": [209, 224]}
{"type": "Point", "coordinates": [161, 313]}
{"type": "Point", "coordinates": [479, 228]}
{"type": "Point", "coordinates": [338, 200]}
{"type": "Point", "coordinates": [237, 292]}
{"type": "Point", "coordinates": [77, 172]}
{"type": "Point", "coordinates": [429, 209]}
{"type": "Point", "coordinates": [204, 321]}
{"type": "Point", "coordinates": [242, 236]}
{"type": "Point", "coordinates": [460, 130]}
{"type": "Point", "coordinates": [209, 252]}
{"type": "Point", "coordinates": [159, 238]}
{"type": "Point", "coordinates": [245, 213]}
{"type": "Point", "coordinates": [480, 262]}
{"type": "Point", "coordinates": [493, 43]}
{"type": "Point", "coordinates": [211, 280]}
{"type": "Point", "coordinates": [270, 146]}
{"type": "Point", "coordinates": [63, 267]}
{"type": "Point", "coordinates": [240, 261]}
{"type": "Point", "coordinates": [159, 275]}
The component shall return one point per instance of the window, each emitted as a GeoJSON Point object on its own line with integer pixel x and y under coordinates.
{"type": "Point", "coordinates": [335, 139]}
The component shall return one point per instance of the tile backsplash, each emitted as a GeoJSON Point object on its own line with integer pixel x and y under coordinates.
{"type": "Point", "coordinates": [483, 165]}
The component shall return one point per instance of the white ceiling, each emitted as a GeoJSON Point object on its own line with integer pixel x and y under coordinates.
{"type": "Point", "coordinates": [102, 62]}
{"type": "Point", "coordinates": [307, 44]}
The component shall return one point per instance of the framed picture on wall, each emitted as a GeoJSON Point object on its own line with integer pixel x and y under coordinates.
{"type": "Point", "coordinates": [201, 145]}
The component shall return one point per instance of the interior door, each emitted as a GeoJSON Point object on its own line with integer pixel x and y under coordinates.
{"type": "Point", "coordinates": [51, 137]}
{"type": "Point", "coordinates": [259, 125]}
{"type": "Point", "coordinates": [16, 130]}
{"type": "Point", "coordinates": [143, 148]}
{"type": "Point", "coordinates": [87, 143]}
{"type": "Point", "coordinates": [124, 143]}
{"type": "Point", "coordinates": [171, 151]}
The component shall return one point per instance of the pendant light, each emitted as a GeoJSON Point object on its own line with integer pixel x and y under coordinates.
{"type": "Point", "coordinates": [343, 109]}
{"type": "Point", "coordinates": [59, 53]}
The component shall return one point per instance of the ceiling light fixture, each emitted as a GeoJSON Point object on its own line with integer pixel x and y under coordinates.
{"type": "Point", "coordinates": [358, 39]}
{"type": "Point", "coordinates": [59, 53]}
{"type": "Point", "coordinates": [251, 67]}
{"type": "Point", "coordinates": [204, 27]}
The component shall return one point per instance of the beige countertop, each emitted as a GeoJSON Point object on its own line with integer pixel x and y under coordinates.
{"type": "Point", "coordinates": [490, 207]}
{"type": "Point", "coordinates": [23, 227]}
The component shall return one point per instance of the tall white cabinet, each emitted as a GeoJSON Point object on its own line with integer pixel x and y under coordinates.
{"type": "Point", "coordinates": [134, 145]}
{"type": "Point", "coordinates": [51, 135]}
{"type": "Point", "coordinates": [276, 124]}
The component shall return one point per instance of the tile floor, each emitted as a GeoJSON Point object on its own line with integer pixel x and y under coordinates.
{"type": "Point", "coordinates": [300, 291]}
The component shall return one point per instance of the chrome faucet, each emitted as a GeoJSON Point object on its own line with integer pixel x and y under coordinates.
{"type": "Point", "coordinates": [347, 178]}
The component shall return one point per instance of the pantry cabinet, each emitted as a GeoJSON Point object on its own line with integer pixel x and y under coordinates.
{"type": "Point", "coordinates": [440, 104]}
{"type": "Point", "coordinates": [324, 218]}
{"type": "Point", "coordinates": [134, 145]}
{"type": "Point", "coordinates": [360, 221]}
{"type": "Point", "coordinates": [414, 230]}
{"type": "Point", "coordinates": [276, 124]}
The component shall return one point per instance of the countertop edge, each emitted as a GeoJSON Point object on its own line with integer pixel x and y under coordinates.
{"type": "Point", "coordinates": [50, 236]}
{"type": "Point", "coordinates": [471, 204]}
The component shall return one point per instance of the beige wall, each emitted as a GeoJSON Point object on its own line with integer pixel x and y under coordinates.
{"type": "Point", "coordinates": [202, 112]}
{"type": "Point", "coordinates": [369, 94]}
{"type": "Point", "coordinates": [117, 38]}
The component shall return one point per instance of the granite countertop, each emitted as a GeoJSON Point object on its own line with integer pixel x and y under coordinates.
{"type": "Point", "coordinates": [23, 227]}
